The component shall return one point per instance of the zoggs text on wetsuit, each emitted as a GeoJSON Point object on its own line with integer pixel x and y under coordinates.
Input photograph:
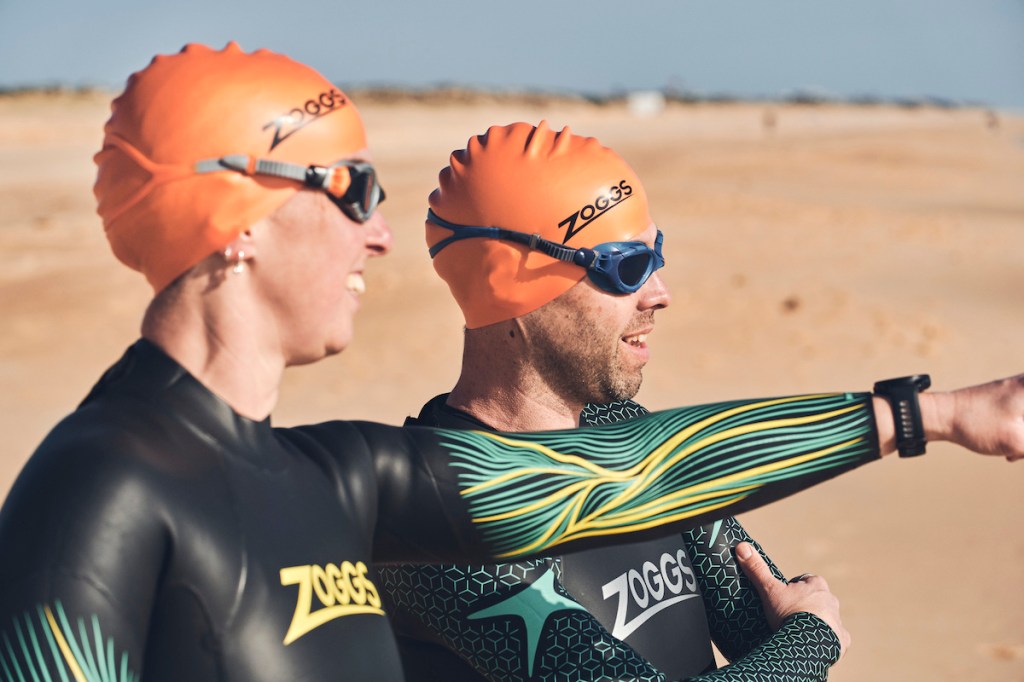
{"type": "Point", "coordinates": [542, 619]}
{"type": "Point", "coordinates": [157, 534]}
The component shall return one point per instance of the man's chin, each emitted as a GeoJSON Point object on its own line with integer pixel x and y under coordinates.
{"type": "Point", "coordinates": [621, 389]}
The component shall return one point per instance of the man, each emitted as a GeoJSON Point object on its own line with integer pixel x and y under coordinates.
{"type": "Point", "coordinates": [538, 347]}
{"type": "Point", "coordinates": [164, 529]}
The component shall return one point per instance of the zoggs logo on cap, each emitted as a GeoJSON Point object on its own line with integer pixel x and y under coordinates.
{"type": "Point", "coordinates": [594, 210]}
{"type": "Point", "coordinates": [301, 116]}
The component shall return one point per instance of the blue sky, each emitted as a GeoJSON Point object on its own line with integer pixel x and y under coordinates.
{"type": "Point", "coordinates": [958, 49]}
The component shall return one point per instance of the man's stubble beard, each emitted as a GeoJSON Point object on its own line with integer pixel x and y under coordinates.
{"type": "Point", "coordinates": [586, 367]}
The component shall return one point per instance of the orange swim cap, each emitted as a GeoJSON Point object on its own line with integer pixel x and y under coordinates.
{"type": "Point", "coordinates": [566, 188]}
{"type": "Point", "coordinates": [161, 216]}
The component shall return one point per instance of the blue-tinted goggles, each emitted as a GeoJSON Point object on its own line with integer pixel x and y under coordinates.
{"type": "Point", "coordinates": [616, 267]}
{"type": "Point", "coordinates": [360, 198]}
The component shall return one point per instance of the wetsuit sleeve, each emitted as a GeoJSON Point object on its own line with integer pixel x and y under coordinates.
{"type": "Point", "coordinates": [736, 617]}
{"type": "Point", "coordinates": [450, 495]}
{"type": "Point", "coordinates": [518, 495]}
{"type": "Point", "coordinates": [802, 650]}
{"type": "Point", "coordinates": [82, 555]}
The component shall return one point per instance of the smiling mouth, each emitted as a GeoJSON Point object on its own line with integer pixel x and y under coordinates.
{"type": "Point", "coordinates": [636, 340]}
{"type": "Point", "coordinates": [355, 284]}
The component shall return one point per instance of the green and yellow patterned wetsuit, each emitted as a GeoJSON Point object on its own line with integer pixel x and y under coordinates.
{"type": "Point", "coordinates": [548, 619]}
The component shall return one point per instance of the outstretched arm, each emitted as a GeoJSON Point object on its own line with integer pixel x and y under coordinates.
{"type": "Point", "coordinates": [677, 468]}
{"type": "Point", "coordinates": [672, 470]}
{"type": "Point", "coordinates": [471, 495]}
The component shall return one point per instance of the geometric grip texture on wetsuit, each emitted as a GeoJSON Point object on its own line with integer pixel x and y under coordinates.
{"type": "Point", "coordinates": [443, 598]}
{"type": "Point", "coordinates": [528, 493]}
{"type": "Point", "coordinates": [734, 611]}
{"type": "Point", "coordinates": [802, 650]}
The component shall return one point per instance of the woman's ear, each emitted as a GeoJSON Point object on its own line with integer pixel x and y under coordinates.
{"type": "Point", "coordinates": [239, 250]}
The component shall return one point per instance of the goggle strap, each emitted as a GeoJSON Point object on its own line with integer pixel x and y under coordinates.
{"type": "Point", "coordinates": [280, 169]}
{"type": "Point", "coordinates": [459, 232]}
{"type": "Point", "coordinates": [556, 251]}
{"type": "Point", "coordinates": [596, 262]}
{"type": "Point", "coordinates": [533, 241]}
{"type": "Point", "coordinates": [247, 165]}
{"type": "Point", "coordinates": [330, 179]}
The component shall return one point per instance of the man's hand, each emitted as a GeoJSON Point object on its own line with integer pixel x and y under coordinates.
{"type": "Point", "coordinates": [988, 419]}
{"type": "Point", "coordinates": [781, 600]}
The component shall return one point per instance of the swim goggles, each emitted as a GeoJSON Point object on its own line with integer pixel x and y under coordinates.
{"type": "Point", "coordinates": [351, 185]}
{"type": "Point", "coordinates": [616, 267]}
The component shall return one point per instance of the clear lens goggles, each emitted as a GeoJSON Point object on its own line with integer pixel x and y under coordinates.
{"type": "Point", "coordinates": [615, 267]}
{"type": "Point", "coordinates": [351, 185]}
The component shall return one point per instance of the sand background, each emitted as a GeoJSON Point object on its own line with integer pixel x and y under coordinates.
{"type": "Point", "coordinates": [844, 245]}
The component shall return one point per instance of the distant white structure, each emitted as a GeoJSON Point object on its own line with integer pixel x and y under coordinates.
{"type": "Point", "coordinates": [645, 103]}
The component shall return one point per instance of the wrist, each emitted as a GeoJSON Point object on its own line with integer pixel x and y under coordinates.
{"type": "Point", "coordinates": [937, 410]}
{"type": "Point", "coordinates": [937, 415]}
{"type": "Point", "coordinates": [804, 626]}
{"type": "Point", "coordinates": [885, 425]}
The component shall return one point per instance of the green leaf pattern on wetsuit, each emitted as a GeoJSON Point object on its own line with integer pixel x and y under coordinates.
{"type": "Point", "coordinates": [36, 646]}
{"type": "Point", "coordinates": [532, 492]}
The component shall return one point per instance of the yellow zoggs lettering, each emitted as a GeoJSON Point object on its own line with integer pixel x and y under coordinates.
{"type": "Point", "coordinates": [340, 590]}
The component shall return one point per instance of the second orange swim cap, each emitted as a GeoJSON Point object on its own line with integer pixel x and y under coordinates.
{"type": "Point", "coordinates": [567, 188]}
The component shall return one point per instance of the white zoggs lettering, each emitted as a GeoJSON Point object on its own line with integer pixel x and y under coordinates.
{"type": "Point", "coordinates": [651, 589]}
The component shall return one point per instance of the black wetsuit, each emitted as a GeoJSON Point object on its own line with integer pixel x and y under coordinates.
{"type": "Point", "coordinates": [476, 622]}
{"type": "Point", "coordinates": [155, 532]}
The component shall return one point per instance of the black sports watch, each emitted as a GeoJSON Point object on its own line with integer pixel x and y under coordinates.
{"type": "Point", "coordinates": [906, 411]}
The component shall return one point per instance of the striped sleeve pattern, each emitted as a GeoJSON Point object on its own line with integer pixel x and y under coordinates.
{"type": "Point", "coordinates": [529, 493]}
{"type": "Point", "coordinates": [46, 641]}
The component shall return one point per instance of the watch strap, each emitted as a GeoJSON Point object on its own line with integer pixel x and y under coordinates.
{"type": "Point", "coordinates": [906, 411]}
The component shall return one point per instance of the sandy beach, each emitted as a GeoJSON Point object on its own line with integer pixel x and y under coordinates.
{"type": "Point", "coordinates": [838, 246]}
